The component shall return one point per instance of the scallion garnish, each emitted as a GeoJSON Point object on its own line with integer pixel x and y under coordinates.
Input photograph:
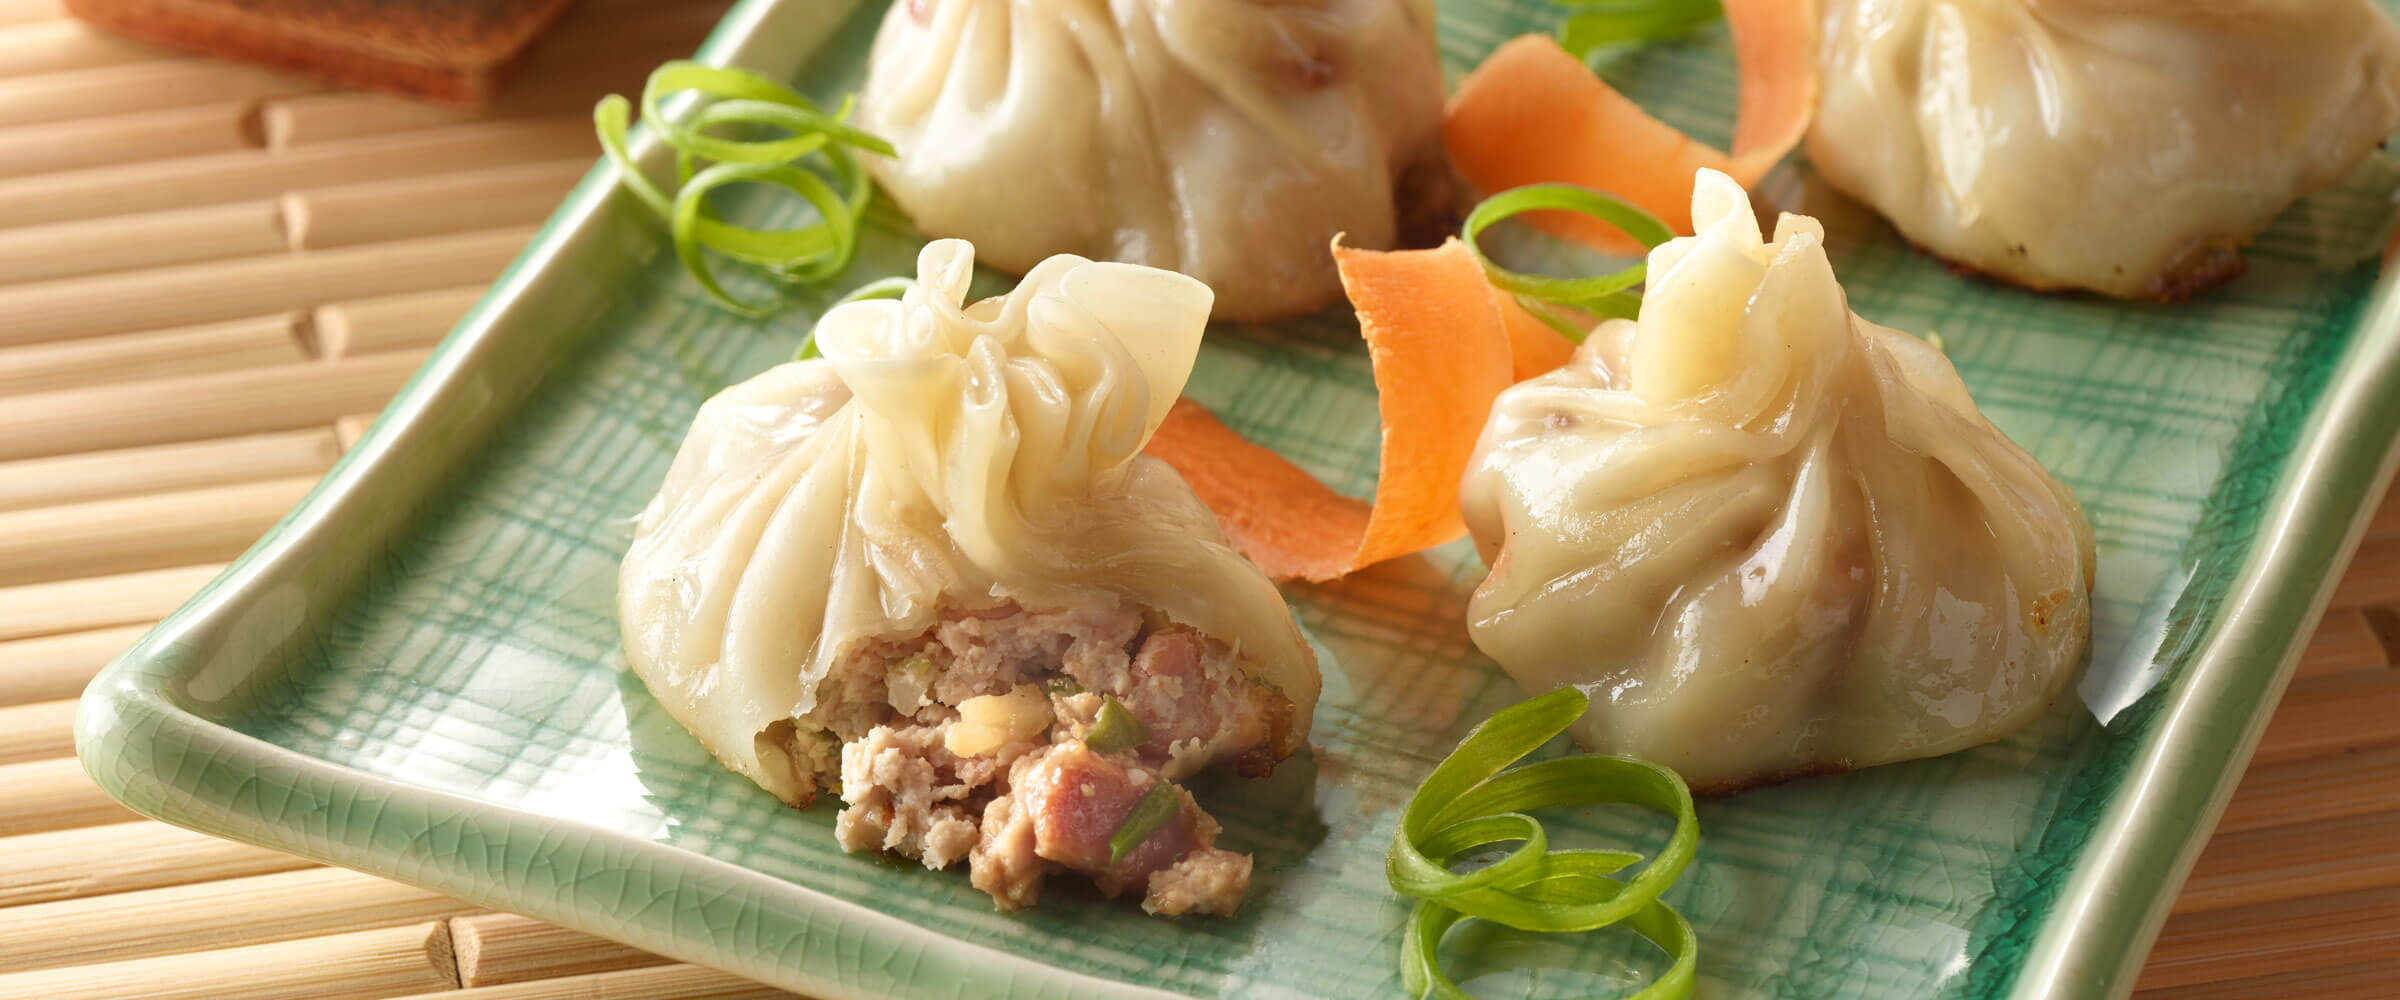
{"type": "Point", "coordinates": [1606, 296]}
{"type": "Point", "coordinates": [811, 159]}
{"type": "Point", "coordinates": [1158, 806]}
{"type": "Point", "coordinates": [1475, 799]}
{"type": "Point", "coordinates": [1116, 728]}
{"type": "Point", "coordinates": [1601, 23]}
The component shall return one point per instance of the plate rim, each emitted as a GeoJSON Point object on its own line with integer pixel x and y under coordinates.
{"type": "Point", "coordinates": [2093, 944]}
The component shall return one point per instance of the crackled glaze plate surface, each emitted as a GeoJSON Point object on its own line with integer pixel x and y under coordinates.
{"type": "Point", "coordinates": [418, 674]}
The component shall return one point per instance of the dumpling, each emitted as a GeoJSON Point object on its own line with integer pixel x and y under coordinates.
{"type": "Point", "coordinates": [1226, 139]}
{"type": "Point", "coordinates": [2129, 147]}
{"type": "Point", "coordinates": [1767, 537]}
{"type": "Point", "coordinates": [936, 567]}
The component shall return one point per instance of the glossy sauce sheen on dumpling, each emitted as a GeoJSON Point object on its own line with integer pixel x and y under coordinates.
{"type": "Point", "coordinates": [1767, 537]}
{"type": "Point", "coordinates": [2130, 147]}
{"type": "Point", "coordinates": [1226, 139]}
{"type": "Point", "coordinates": [930, 565]}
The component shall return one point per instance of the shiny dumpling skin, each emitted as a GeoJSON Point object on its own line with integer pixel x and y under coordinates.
{"type": "Point", "coordinates": [939, 451]}
{"type": "Point", "coordinates": [2129, 147]}
{"type": "Point", "coordinates": [1226, 139]}
{"type": "Point", "coordinates": [1768, 537]}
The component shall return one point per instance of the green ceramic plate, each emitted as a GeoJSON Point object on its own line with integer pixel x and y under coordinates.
{"type": "Point", "coordinates": [418, 673]}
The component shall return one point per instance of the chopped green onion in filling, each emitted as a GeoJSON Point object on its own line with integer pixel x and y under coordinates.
{"type": "Point", "coordinates": [1116, 728]}
{"type": "Point", "coordinates": [1154, 810]}
{"type": "Point", "coordinates": [1063, 686]}
{"type": "Point", "coordinates": [1475, 799]}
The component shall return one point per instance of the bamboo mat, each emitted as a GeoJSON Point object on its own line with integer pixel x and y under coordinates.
{"type": "Point", "coordinates": [212, 276]}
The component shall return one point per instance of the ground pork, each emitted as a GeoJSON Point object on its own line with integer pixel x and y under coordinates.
{"type": "Point", "coordinates": [1045, 802]}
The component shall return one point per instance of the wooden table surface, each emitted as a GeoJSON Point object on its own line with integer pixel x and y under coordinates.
{"type": "Point", "coordinates": [175, 229]}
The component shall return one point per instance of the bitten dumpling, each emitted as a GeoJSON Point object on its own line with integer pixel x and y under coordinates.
{"type": "Point", "coordinates": [936, 568]}
{"type": "Point", "coordinates": [1226, 139]}
{"type": "Point", "coordinates": [2129, 147]}
{"type": "Point", "coordinates": [1767, 537]}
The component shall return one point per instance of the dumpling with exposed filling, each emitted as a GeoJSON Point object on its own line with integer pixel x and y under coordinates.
{"type": "Point", "coordinates": [2129, 147]}
{"type": "Point", "coordinates": [1769, 538]}
{"type": "Point", "coordinates": [934, 571]}
{"type": "Point", "coordinates": [1226, 139]}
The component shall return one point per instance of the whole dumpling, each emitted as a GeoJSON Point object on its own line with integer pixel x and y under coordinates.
{"type": "Point", "coordinates": [934, 564]}
{"type": "Point", "coordinates": [2129, 147]}
{"type": "Point", "coordinates": [1767, 537]}
{"type": "Point", "coordinates": [1230, 140]}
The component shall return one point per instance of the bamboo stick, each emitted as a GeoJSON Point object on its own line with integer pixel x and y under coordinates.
{"type": "Point", "coordinates": [2374, 575]}
{"type": "Point", "coordinates": [248, 286]}
{"type": "Point", "coordinates": [2357, 981]}
{"type": "Point", "coordinates": [2264, 866]}
{"type": "Point", "coordinates": [135, 137]}
{"type": "Point", "coordinates": [2342, 643]}
{"type": "Point", "coordinates": [666, 982]}
{"type": "Point", "coordinates": [565, 72]}
{"type": "Point", "coordinates": [2275, 938]}
{"type": "Point", "coordinates": [38, 730]}
{"type": "Point", "coordinates": [27, 11]}
{"type": "Point", "coordinates": [278, 907]}
{"type": "Point", "coordinates": [125, 857]}
{"type": "Point", "coordinates": [151, 239]}
{"type": "Point", "coordinates": [44, 609]}
{"type": "Point", "coordinates": [52, 667]}
{"type": "Point", "coordinates": [497, 948]}
{"type": "Point", "coordinates": [409, 208]}
{"type": "Point", "coordinates": [99, 475]}
{"type": "Point", "coordinates": [390, 322]}
{"type": "Point", "coordinates": [2319, 788]}
{"type": "Point", "coordinates": [141, 86]}
{"type": "Point", "coordinates": [211, 347]}
{"type": "Point", "coordinates": [45, 795]}
{"type": "Point", "coordinates": [214, 405]}
{"type": "Point", "coordinates": [201, 180]}
{"type": "Point", "coordinates": [376, 963]}
{"type": "Point", "coordinates": [353, 427]}
{"type": "Point", "coordinates": [130, 534]}
{"type": "Point", "coordinates": [52, 46]}
{"type": "Point", "coordinates": [2325, 715]}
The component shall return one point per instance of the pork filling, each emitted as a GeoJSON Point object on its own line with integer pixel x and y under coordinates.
{"type": "Point", "coordinates": [1023, 742]}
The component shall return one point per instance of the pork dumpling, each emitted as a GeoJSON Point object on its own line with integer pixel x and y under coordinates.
{"type": "Point", "coordinates": [935, 568]}
{"type": "Point", "coordinates": [1226, 139]}
{"type": "Point", "coordinates": [2130, 147]}
{"type": "Point", "coordinates": [1768, 537]}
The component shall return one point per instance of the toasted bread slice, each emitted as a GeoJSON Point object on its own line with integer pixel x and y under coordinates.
{"type": "Point", "coordinates": [447, 51]}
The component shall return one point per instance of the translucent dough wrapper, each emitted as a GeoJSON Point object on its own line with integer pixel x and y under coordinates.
{"type": "Point", "coordinates": [942, 463]}
{"type": "Point", "coordinates": [1767, 537]}
{"type": "Point", "coordinates": [1226, 139]}
{"type": "Point", "coordinates": [2130, 147]}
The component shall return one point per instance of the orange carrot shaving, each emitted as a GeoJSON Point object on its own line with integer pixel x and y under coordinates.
{"type": "Point", "coordinates": [1441, 354]}
{"type": "Point", "coordinates": [1533, 113]}
{"type": "Point", "coordinates": [1533, 347]}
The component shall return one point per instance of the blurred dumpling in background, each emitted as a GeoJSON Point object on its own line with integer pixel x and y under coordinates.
{"type": "Point", "coordinates": [1226, 139]}
{"type": "Point", "coordinates": [1767, 537]}
{"type": "Point", "coordinates": [2129, 147]}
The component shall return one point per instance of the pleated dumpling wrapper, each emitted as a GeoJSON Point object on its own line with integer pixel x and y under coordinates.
{"type": "Point", "coordinates": [1767, 537]}
{"type": "Point", "coordinates": [934, 562]}
{"type": "Point", "coordinates": [1226, 139]}
{"type": "Point", "coordinates": [2130, 147]}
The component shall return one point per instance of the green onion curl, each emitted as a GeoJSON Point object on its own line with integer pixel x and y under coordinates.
{"type": "Point", "coordinates": [1598, 24]}
{"type": "Point", "coordinates": [812, 158]}
{"type": "Point", "coordinates": [1608, 296]}
{"type": "Point", "coordinates": [1475, 799]}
